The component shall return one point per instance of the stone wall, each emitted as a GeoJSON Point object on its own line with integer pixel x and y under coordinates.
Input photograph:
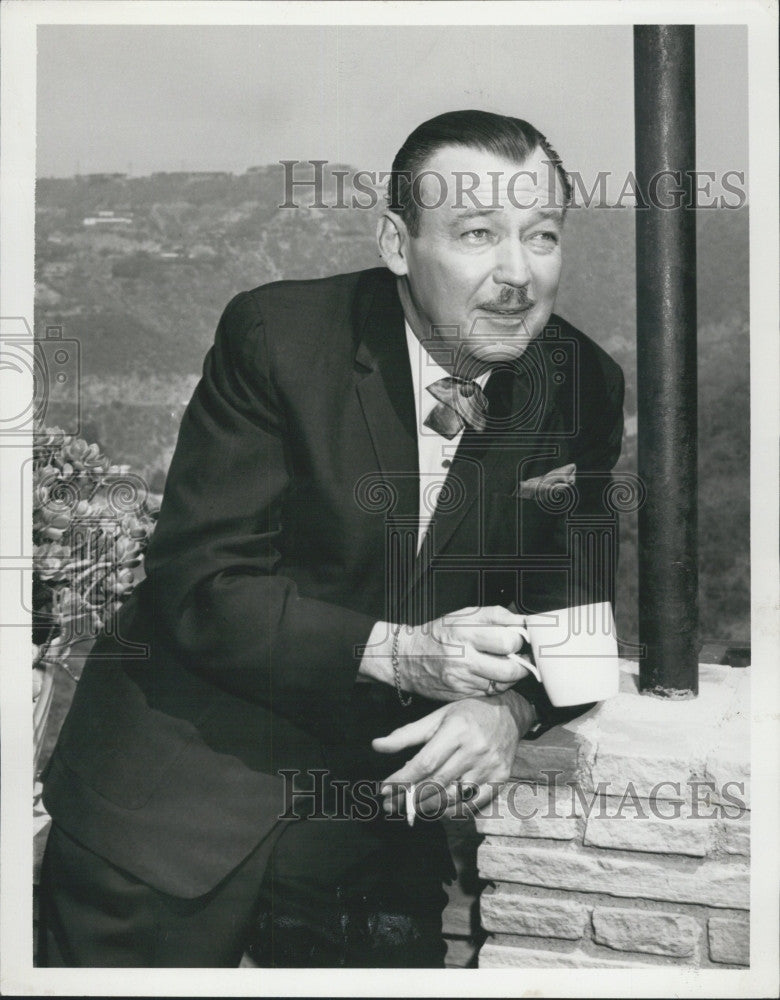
{"type": "Point", "coordinates": [623, 838]}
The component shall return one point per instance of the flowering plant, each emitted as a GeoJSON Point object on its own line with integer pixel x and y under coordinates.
{"type": "Point", "coordinates": [91, 524]}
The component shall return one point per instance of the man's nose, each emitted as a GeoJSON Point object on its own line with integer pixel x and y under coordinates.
{"type": "Point", "coordinates": [511, 266]}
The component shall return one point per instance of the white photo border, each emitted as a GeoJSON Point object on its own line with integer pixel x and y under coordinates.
{"type": "Point", "coordinates": [20, 19]}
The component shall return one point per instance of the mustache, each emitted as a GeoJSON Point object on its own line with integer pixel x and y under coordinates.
{"type": "Point", "coordinates": [509, 301]}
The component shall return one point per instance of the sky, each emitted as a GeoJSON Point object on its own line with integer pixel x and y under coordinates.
{"type": "Point", "coordinates": [137, 99]}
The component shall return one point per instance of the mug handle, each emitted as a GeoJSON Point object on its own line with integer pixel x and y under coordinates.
{"type": "Point", "coordinates": [515, 658]}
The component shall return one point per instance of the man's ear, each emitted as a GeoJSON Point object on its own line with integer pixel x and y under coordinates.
{"type": "Point", "coordinates": [392, 237]}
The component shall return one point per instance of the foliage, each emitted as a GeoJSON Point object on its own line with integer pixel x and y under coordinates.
{"type": "Point", "coordinates": [91, 524]}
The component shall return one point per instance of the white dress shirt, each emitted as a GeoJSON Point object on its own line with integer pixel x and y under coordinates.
{"type": "Point", "coordinates": [435, 451]}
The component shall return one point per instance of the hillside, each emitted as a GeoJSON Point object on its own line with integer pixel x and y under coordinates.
{"type": "Point", "coordinates": [141, 286]}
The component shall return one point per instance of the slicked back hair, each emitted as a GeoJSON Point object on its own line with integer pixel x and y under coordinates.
{"type": "Point", "coordinates": [511, 138]}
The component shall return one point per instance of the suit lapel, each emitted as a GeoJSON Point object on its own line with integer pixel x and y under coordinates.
{"type": "Point", "coordinates": [383, 382]}
{"type": "Point", "coordinates": [384, 388]}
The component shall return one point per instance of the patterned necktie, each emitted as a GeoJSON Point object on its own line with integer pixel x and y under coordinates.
{"type": "Point", "coordinates": [462, 403]}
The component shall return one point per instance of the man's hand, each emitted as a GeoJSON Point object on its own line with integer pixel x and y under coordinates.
{"type": "Point", "coordinates": [456, 656]}
{"type": "Point", "coordinates": [472, 741]}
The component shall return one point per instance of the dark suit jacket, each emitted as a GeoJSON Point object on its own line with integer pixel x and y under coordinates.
{"type": "Point", "coordinates": [287, 509]}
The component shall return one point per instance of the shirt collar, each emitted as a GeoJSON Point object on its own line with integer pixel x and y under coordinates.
{"type": "Point", "coordinates": [426, 371]}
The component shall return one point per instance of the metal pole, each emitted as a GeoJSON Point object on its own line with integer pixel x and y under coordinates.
{"type": "Point", "coordinates": [664, 109]}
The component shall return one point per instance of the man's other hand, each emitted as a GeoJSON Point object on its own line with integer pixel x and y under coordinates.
{"type": "Point", "coordinates": [465, 654]}
{"type": "Point", "coordinates": [469, 743]}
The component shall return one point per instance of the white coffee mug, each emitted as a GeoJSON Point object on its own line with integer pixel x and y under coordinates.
{"type": "Point", "coordinates": [575, 653]}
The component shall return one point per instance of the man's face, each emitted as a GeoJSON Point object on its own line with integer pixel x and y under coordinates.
{"type": "Point", "coordinates": [481, 279]}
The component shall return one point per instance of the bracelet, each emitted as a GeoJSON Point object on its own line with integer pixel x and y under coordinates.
{"type": "Point", "coordinates": [405, 701]}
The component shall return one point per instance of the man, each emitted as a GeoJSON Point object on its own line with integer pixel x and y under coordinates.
{"type": "Point", "coordinates": [346, 528]}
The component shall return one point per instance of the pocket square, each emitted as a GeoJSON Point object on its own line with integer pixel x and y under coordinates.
{"type": "Point", "coordinates": [530, 489]}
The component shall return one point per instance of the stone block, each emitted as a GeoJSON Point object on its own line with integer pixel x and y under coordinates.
{"type": "Point", "coordinates": [512, 912]}
{"type": "Point", "coordinates": [646, 931]}
{"type": "Point", "coordinates": [729, 771]}
{"type": "Point", "coordinates": [649, 833]}
{"type": "Point", "coordinates": [733, 836]}
{"type": "Point", "coordinates": [729, 939]}
{"type": "Point", "coordinates": [498, 955]}
{"type": "Point", "coordinates": [647, 772]}
{"type": "Point", "coordinates": [647, 740]}
{"type": "Point", "coordinates": [710, 883]}
{"type": "Point", "coordinates": [526, 810]}
{"type": "Point", "coordinates": [556, 750]}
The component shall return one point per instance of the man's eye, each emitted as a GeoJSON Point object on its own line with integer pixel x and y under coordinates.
{"type": "Point", "coordinates": [476, 235]}
{"type": "Point", "coordinates": [549, 237]}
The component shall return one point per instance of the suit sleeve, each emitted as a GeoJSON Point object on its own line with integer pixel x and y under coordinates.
{"type": "Point", "coordinates": [211, 564]}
